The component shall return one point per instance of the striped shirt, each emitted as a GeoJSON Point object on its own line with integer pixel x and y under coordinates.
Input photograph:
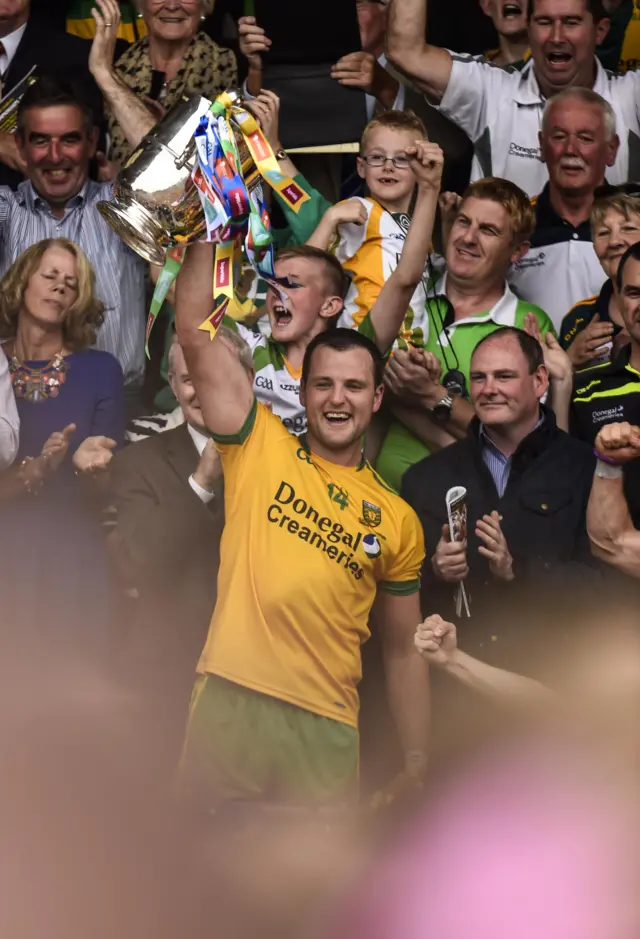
{"type": "Point", "coordinates": [496, 462]}
{"type": "Point", "coordinates": [26, 218]}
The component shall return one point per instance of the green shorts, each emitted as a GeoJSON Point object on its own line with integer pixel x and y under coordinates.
{"type": "Point", "coordinates": [242, 745]}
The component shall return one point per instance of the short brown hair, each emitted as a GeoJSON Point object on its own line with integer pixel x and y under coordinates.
{"type": "Point", "coordinates": [515, 202]}
{"type": "Point", "coordinates": [83, 318]}
{"type": "Point", "coordinates": [335, 277]}
{"type": "Point", "coordinates": [625, 204]}
{"type": "Point", "coordinates": [396, 120]}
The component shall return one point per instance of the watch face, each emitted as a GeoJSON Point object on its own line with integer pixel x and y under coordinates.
{"type": "Point", "coordinates": [455, 383]}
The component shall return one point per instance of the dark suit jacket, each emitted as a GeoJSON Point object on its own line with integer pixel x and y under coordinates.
{"type": "Point", "coordinates": [57, 54]}
{"type": "Point", "coordinates": [166, 545]}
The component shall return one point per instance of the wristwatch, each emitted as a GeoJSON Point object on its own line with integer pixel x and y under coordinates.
{"type": "Point", "coordinates": [607, 470]}
{"type": "Point", "coordinates": [442, 409]}
{"type": "Point", "coordinates": [281, 154]}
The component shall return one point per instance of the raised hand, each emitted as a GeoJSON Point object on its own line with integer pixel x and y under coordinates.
{"type": "Point", "coordinates": [349, 212]}
{"type": "Point", "coordinates": [450, 559]}
{"type": "Point", "coordinates": [557, 361]}
{"type": "Point", "coordinates": [103, 47]}
{"type": "Point", "coordinates": [94, 454]}
{"type": "Point", "coordinates": [56, 446]}
{"type": "Point", "coordinates": [427, 163]}
{"type": "Point", "coordinates": [357, 70]}
{"type": "Point", "coordinates": [436, 640]}
{"type": "Point", "coordinates": [619, 443]}
{"type": "Point", "coordinates": [495, 547]}
{"type": "Point", "coordinates": [253, 41]}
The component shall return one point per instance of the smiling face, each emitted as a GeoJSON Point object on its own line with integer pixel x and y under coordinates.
{"type": "Point", "coordinates": [309, 304]}
{"type": "Point", "coordinates": [52, 289]}
{"type": "Point", "coordinates": [504, 393]}
{"type": "Point", "coordinates": [575, 147]}
{"type": "Point", "coordinates": [481, 244]}
{"type": "Point", "coordinates": [563, 37]}
{"type": "Point", "coordinates": [612, 236]}
{"type": "Point", "coordinates": [172, 20]}
{"type": "Point", "coordinates": [340, 396]}
{"type": "Point", "coordinates": [391, 186]}
{"type": "Point", "coordinates": [509, 17]}
{"type": "Point", "coordinates": [630, 294]}
{"type": "Point", "coordinates": [57, 149]}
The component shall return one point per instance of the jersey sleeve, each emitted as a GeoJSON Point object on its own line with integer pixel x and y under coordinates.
{"type": "Point", "coordinates": [302, 224]}
{"type": "Point", "coordinates": [242, 454]}
{"type": "Point", "coordinates": [476, 89]}
{"type": "Point", "coordinates": [352, 236]}
{"type": "Point", "coordinates": [403, 574]}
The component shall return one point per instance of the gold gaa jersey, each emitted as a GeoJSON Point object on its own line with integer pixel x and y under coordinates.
{"type": "Point", "coordinates": [370, 253]}
{"type": "Point", "coordinates": [305, 546]}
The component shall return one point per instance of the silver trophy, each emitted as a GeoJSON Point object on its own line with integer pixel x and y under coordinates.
{"type": "Point", "coordinates": [156, 204]}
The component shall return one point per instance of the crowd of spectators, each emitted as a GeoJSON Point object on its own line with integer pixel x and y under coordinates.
{"type": "Point", "coordinates": [246, 542]}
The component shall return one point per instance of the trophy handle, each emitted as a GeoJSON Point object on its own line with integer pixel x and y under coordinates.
{"type": "Point", "coordinates": [187, 155]}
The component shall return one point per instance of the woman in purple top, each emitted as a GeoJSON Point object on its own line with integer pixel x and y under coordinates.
{"type": "Point", "coordinates": [53, 565]}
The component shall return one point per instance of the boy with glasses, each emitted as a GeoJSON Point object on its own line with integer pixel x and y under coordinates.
{"type": "Point", "coordinates": [369, 248]}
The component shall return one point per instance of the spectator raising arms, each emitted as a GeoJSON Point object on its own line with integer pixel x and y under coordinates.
{"type": "Point", "coordinates": [70, 401]}
{"type": "Point", "coordinates": [313, 301]}
{"type": "Point", "coordinates": [300, 562]}
{"type": "Point", "coordinates": [172, 60]}
{"type": "Point", "coordinates": [500, 109]}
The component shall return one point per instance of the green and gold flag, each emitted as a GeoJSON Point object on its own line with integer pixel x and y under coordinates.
{"type": "Point", "coordinates": [81, 23]}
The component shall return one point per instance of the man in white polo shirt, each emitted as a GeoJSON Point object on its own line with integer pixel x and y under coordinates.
{"type": "Point", "coordinates": [501, 109]}
{"type": "Point", "coordinates": [578, 143]}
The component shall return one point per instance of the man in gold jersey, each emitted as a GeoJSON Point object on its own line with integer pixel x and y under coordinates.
{"type": "Point", "coordinates": [312, 535]}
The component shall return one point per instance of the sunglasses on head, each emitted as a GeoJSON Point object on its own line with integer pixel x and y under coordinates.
{"type": "Point", "coordinates": [624, 189]}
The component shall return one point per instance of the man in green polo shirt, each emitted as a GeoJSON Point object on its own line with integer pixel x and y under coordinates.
{"type": "Point", "coordinates": [490, 232]}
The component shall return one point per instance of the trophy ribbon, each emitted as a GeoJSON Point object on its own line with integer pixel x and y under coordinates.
{"type": "Point", "coordinates": [236, 216]}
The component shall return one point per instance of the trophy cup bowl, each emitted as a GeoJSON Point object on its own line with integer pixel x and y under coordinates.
{"type": "Point", "coordinates": [156, 204]}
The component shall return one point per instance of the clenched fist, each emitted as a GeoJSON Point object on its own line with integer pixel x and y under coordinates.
{"type": "Point", "coordinates": [619, 443]}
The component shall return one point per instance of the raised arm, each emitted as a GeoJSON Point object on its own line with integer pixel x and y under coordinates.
{"type": "Point", "coordinates": [614, 539]}
{"type": "Point", "coordinates": [436, 642]}
{"type": "Point", "coordinates": [428, 67]}
{"type": "Point", "coordinates": [128, 110]}
{"type": "Point", "coordinates": [390, 309]}
{"type": "Point", "coordinates": [223, 386]}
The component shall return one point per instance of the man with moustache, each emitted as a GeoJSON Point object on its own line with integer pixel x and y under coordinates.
{"type": "Point", "coordinates": [578, 144]}
{"type": "Point", "coordinates": [501, 109]}
{"type": "Point", "coordinates": [312, 534]}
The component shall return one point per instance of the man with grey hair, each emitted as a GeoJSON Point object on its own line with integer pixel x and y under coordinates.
{"type": "Point", "coordinates": [578, 141]}
{"type": "Point", "coordinates": [167, 493]}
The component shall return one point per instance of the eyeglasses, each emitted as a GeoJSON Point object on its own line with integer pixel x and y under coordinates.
{"type": "Point", "coordinates": [624, 189]}
{"type": "Point", "coordinates": [379, 159]}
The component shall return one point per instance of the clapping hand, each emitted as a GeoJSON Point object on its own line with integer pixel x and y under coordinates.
{"type": "Point", "coordinates": [94, 454]}
{"type": "Point", "coordinates": [495, 547]}
{"type": "Point", "coordinates": [450, 559]}
{"type": "Point", "coordinates": [103, 47]}
{"type": "Point", "coordinates": [56, 446]}
{"type": "Point", "coordinates": [436, 641]}
{"type": "Point", "coordinates": [557, 361]}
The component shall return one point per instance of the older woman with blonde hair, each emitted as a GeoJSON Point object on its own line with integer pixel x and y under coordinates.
{"type": "Point", "coordinates": [70, 401]}
{"type": "Point", "coordinates": [173, 59]}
